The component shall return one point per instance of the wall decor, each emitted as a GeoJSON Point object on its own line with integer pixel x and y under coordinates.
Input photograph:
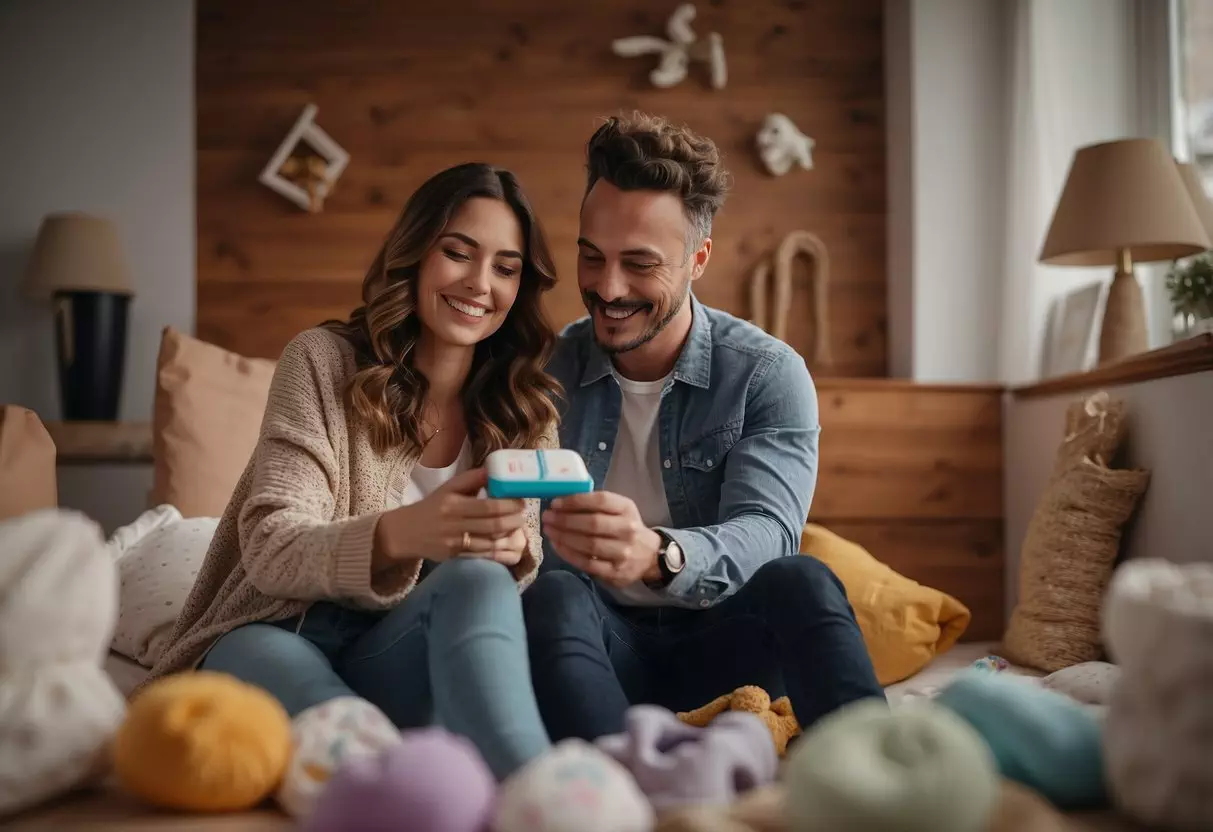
{"type": "Point", "coordinates": [678, 52]}
{"type": "Point", "coordinates": [306, 165]}
{"type": "Point", "coordinates": [781, 145]}
{"type": "Point", "coordinates": [771, 301]}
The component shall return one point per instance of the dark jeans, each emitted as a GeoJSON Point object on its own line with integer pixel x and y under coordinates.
{"type": "Point", "coordinates": [790, 629]}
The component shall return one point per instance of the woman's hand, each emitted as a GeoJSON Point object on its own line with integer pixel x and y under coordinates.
{"type": "Point", "coordinates": [454, 522]}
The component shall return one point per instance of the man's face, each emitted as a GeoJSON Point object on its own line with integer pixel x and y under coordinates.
{"type": "Point", "coordinates": [633, 267]}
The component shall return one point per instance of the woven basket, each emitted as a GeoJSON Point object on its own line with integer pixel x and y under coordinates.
{"type": "Point", "coordinates": [1095, 429]}
{"type": "Point", "coordinates": [1066, 564]}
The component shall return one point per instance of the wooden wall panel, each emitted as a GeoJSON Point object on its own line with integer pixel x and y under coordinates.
{"type": "Point", "coordinates": [914, 474]}
{"type": "Point", "coordinates": [410, 88]}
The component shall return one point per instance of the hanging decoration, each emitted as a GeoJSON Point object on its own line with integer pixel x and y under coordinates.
{"type": "Point", "coordinates": [679, 51]}
{"type": "Point", "coordinates": [307, 164]}
{"type": "Point", "coordinates": [771, 313]}
{"type": "Point", "coordinates": [782, 146]}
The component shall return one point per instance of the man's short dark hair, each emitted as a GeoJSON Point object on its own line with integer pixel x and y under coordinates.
{"type": "Point", "coordinates": [645, 152]}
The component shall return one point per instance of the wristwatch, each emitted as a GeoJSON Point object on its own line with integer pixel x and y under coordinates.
{"type": "Point", "coordinates": [670, 559]}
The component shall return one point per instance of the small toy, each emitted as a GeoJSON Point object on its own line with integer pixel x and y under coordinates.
{"type": "Point", "coordinates": [777, 715]}
{"type": "Point", "coordinates": [992, 663]}
{"type": "Point", "coordinates": [516, 474]}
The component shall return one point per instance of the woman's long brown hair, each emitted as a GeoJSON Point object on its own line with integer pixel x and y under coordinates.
{"type": "Point", "coordinates": [508, 398]}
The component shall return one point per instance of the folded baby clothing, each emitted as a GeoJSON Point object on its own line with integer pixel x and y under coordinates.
{"type": "Point", "coordinates": [58, 707]}
{"type": "Point", "coordinates": [675, 763]}
{"type": "Point", "coordinates": [1158, 626]}
{"type": "Point", "coordinates": [1040, 738]}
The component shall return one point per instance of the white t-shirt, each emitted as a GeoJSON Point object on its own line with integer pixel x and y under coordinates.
{"type": "Point", "coordinates": [425, 481]}
{"type": "Point", "coordinates": [635, 470]}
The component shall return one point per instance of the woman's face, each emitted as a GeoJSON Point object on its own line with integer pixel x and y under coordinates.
{"type": "Point", "coordinates": [470, 277]}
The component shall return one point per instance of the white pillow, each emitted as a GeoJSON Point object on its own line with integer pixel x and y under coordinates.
{"type": "Point", "coordinates": [158, 557]}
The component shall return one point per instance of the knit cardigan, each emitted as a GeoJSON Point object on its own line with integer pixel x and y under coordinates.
{"type": "Point", "coordinates": [300, 525]}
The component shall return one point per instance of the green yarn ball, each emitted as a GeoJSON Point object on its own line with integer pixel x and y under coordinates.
{"type": "Point", "coordinates": [868, 768]}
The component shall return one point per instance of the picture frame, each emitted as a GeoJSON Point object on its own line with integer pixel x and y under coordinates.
{"type": "Point", "coordinates": [1069, 337]}
{"type": "Point", "coordinates": [335, 159]}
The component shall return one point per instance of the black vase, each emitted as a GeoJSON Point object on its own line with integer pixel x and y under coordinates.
{"type": "Point", "coordinates": [90, 331]}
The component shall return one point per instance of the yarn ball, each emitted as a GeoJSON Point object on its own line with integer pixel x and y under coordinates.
{"type": "Point", "coordinates": [676, 764]}
{"type": "Point", "coordinates": [325, 736]}
{"type": "Point", "coordinates": [203, 741]}
{"type": "Point", "coordinates": [1040, 738]}
{"type": "Point", "coordinates": [868, 768]}
{"type": "Point", "coordinates": [429, 781]}
{"type": "Point", "coordinates": [572, 788]}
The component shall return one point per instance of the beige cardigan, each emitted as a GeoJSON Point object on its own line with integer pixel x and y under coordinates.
{"type": "Point", "coordinates": [301, 523]}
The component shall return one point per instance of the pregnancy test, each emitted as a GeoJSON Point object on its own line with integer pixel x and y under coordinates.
{"type": "Point", "coordinates": [515, 474]}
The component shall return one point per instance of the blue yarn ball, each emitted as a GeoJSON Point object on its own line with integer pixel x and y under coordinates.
{"type": "Point", "coordinates": [1040, 738]}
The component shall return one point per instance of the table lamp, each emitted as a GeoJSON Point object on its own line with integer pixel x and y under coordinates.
{"type": "Point", "coordinates": [1124, 202]}
{"type": "Point", "coordinates": [78, 264]}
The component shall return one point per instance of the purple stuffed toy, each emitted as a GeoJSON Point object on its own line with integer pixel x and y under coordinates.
{"type": "Point", "coordinates": [676, 764]}
{"type": "Point", "coordinates": [431, 781]}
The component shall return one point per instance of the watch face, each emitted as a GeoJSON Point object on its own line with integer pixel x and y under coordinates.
{"type": "Point", "coordinates": [674, 560]}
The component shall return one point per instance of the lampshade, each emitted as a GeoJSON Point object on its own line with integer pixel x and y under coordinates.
{"type": "Point", "coordinates": [1125, 194]}
{"type": "Point", "coordinates": [77, 252]}
{"type": "Point", "coordinates": [1200, 199]}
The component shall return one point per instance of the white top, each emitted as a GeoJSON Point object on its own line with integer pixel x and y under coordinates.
{"type": "Point", "coordinates": [635, 470]}
{"type": "Point", "coordinates": [425, 481]}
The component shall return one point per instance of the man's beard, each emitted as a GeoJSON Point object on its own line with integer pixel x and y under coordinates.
{"type": "Point", "coordinates": [592, 300]}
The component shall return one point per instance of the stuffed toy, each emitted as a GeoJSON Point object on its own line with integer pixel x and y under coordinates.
{"type": "Point", "coordinates": [204, 742]}
{"type": "Point", "coordinates": [430, 780]}
{"type": "Point", "coordinates": [326, 736]}
{"type": "Point", "coordinates": [58, 707]}
{"type": "Point", "coordinates": [777, 715]}
{"type": "Point", "coordinates": [868, 768]}
{"type": "Point", "coordinates": [574, 787]}
{"type": "Point", "coordinates": [677, 764]}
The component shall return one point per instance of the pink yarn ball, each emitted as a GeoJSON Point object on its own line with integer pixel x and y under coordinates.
{"type": "Point", "coordinates": [432, 781]}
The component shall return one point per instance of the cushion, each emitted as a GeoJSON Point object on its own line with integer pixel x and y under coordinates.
{"type": "Point", "coordinates": [158, 557]}
{"type": "Point", "coordinates": [905, 624]}
{"type": "Point", "coordinates": [208, 410]}
{"type": "Point", "coordinates": [27, 463]}
{"type": "Point", "coordinates": [1066, 563]}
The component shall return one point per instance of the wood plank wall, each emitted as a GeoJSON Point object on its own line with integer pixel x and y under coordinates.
{"type": "Point", "coordinates": [914, 473]}
{"type": "Point", "coordinates": [409, 88]}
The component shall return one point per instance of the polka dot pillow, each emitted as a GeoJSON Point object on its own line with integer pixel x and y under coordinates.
{"type": "Point", "coordinates": [158, 557]}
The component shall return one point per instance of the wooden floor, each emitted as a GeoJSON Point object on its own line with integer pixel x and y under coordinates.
{"type": "Point", "coordinates": [108, 810]}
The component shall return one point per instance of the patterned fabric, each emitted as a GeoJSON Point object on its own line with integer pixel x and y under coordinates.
{"type": "Point", "coordinates": [301, 523]}
{"type": "Point", "coordinates": [325, 737]}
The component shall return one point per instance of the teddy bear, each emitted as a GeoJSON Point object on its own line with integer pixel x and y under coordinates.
{"type": "Point", "coordinates": [777, 715]}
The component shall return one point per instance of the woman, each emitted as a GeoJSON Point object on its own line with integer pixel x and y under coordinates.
{"type": "Point", "coordinates": [364, 481]}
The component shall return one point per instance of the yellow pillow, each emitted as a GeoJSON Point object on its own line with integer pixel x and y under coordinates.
{"type": "Point", "coordinates": [904, 623]}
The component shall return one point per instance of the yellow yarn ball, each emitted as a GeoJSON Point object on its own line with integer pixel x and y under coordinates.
{"type": "Point", "coordinates": [204, 742]}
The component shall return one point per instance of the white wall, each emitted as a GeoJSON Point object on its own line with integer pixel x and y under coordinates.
{"type": "Point", "coordinates": [1000, 94]}
{"type": "Point", "coordinates": [97, 103]}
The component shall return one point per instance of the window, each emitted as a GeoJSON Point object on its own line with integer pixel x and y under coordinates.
{"type": "Point", "coordinates": [1195, 81]}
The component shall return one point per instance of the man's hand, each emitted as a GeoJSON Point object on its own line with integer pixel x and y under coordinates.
{"type": "Point", "coordinates": [602, 535]}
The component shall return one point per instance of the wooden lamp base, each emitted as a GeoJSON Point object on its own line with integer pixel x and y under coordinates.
{"type": "Point", "coordinates": [1123, 332]}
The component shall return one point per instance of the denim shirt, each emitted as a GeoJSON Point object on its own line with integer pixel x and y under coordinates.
{"type": "Point", "coordinates": [738, 429]}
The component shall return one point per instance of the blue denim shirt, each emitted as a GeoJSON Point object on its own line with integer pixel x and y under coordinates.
{"type": "Point", "coordinates": [738, 427]}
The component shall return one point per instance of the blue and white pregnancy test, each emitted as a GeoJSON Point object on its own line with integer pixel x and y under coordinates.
{"type": "Point", "coordinates": [517, 474]}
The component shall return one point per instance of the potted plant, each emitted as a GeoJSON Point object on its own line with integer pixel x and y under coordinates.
{"type": "Point", "coordinates": [1190, 284]}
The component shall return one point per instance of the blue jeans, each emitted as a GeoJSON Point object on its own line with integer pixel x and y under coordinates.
{"type": "Point", "coordinates": [788, 629]}
{"type": "Point", "coordinates": [452, 653]}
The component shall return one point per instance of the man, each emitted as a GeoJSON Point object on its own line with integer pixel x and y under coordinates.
{"type": "Point", "coordinates": [678, 577]}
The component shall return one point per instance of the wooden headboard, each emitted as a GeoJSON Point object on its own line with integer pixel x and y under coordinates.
{"type": "Point", "coordinates": [914, 473]}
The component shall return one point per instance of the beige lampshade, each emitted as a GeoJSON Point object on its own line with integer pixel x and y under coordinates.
{"type": "Point", "coordinates": [77, 252]}
{"type": "Point", "coordinates": [1200, 199]}
{"type": "Point", "coordinates": [1125, 194]}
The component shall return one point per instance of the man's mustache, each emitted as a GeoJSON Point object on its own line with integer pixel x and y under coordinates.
{"type": "Point", "coordinates": [594, 299]}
